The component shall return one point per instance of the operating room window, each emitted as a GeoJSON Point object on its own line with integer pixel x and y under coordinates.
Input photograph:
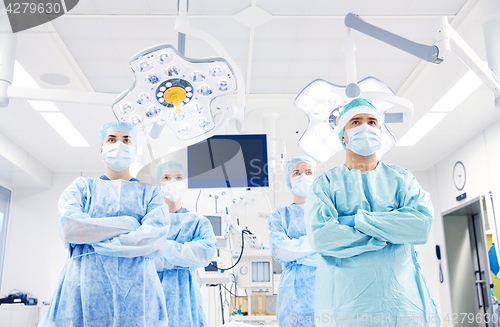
{"type": "Point", "coordinates": [4, 217]}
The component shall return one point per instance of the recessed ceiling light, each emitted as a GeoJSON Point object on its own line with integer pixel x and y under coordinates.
{"type": "Point", "coordinates": [458, 93]}
{"type": "Point", "coordinates": [65, 128]}
{"type": "Point", "coordinates": [422, 127]}
{"type": "Point", "coordinates": [55, 79]}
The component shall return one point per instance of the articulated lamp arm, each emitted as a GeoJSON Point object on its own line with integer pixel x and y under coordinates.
{"type": "Point", "coordinates": [447, 40]}
{"type": "Point", "coordinates": [422, 51]}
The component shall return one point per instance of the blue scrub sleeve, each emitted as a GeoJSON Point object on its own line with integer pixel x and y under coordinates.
{"type": "Point", "coordinates": [194, 254]}
{"type": "Point", "coordinates": [347, 220]}
{"type": "Point", "coordinates": [283, 248]}
{"type": "Point", "coordinates": [146, 240]}
{"type": "Point", "coordinates": [411, 223]}
{"type": "Point", "coordinates": [78, 227]}
{"type": "Point", "coordinates": [326, 235]}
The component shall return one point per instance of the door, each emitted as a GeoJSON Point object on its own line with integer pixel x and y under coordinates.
{"type": "Point", "coordinates": [469, 273]}
{"type": "Point", "coordinates": [4, 215]}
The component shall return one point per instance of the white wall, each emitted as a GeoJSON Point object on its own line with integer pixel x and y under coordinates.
{"type": "Point", "coordinates": [481, 158]}
{"type": "Point", "coordinates": [35, 253]}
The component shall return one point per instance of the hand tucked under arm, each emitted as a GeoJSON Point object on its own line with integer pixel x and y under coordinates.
{"type": "Point", "coordinates": [409, 224]}
{"type": "Point", "coordinates": [326, 235]}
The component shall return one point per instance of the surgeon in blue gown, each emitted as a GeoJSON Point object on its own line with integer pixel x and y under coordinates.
{"type": "Point", "coordinates": [364, 218]}
{"type": "Point", "coordinates": [101, 290]}
{"type": "Point", "coordinates": [190, 244]}
{"type": "Point", "coordinates": [290, 247]}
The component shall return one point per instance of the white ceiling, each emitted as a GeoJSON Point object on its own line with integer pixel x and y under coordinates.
{"type": "Point", "coordinates": [93, 43]}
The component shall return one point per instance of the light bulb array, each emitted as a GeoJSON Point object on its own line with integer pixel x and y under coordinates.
{"type": "Point", "coordinates": [323, 102]}
{"type": "Point", "coordinates": [174, 90]}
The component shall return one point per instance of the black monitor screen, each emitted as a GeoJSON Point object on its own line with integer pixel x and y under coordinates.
{"type": "Point", "coordinates": [228, 161]}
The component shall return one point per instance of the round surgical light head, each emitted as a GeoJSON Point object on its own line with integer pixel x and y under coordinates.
{"type": "Point", "coordinates": [166, 84]}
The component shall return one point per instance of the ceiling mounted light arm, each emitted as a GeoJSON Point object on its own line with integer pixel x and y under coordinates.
{"type": "Point", "coordinates": [447, 40]}
{"type": "Point", "coordinates": [422, 51]}
{"type": "Point", "coordinates": [182, 26]}
{"type": "Point", "coordinates": [352, 89]}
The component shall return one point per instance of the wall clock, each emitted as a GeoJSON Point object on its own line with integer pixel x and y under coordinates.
{"type": "Point", "coordinates": [459, 175]}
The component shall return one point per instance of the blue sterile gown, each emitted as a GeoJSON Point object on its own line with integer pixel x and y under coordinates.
{"type": "Point", "coordinates": [370, 271]}
{"type": "Point", "coordinates": [98, 290]}
{"type": "Point", "coordinates": [290, 247]}
{"type": "Point", "coordinates": [190, 244]}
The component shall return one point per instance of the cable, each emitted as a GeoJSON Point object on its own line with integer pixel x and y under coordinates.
{"type": "Point", "coordinates": [196, 206]}
{"type": "Point", "coordinates": [241, 252]}
{"type": "Point", "coordinates": [221, 305]}
{"type": "Point", "coordinates": [227, 290]}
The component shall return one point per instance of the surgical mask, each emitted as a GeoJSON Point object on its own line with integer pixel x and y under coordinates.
{"type": "Point", "coordinates": [173, 190]}
{"type": "Point", "coordinates": [118, 155]}
{"type": "Point", "coordinates": [363, 140]}
{"type": "Point", "coordinates": [301, 184]}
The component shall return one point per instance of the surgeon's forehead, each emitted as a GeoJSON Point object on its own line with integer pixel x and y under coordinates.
{"type": "Point", "coordinates": [173, 173]}
{"type": "Point", "coordinates": [361, 116]}
{"type": "Point", "coordinates": [302, 165]}
{"type": "Point", "coordinates": [118, 134]}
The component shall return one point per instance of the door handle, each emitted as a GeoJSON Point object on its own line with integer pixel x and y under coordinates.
{"type": "Point", "coordinates": [479, 292]}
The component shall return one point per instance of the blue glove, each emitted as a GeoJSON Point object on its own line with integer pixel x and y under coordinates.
{"type": "Point", "coordinates": [347, 220]}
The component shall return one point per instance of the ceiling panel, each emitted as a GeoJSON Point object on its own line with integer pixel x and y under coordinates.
{"type": "Point", "coordinates": [219, 7]}
{"type": "Point", "coordinates": [111, 84]}
{"type": "Point", "coordinates": [275, 68]}
{"type": "Point", "coordinates": [163, 29]}
{"type": "Point", "coordinates": [84, 6]}
{"type": "Point", "coordinates": [162, 7]}
{"type": "Point", "coordinates": [80, 28]}
{"type": "Point", "coordinates": [129, 28]}
{"type": "Point", "coordinates": [104, 68]}
{"type": "Point", "coordinates": [91, 49]}
{"type": "Point", "coordinates": [373, 7]}
{"type": "Point", "coordinates": [121, 6]}
{"type": "Point", "coordinates": [125, 49]}
{"type": "Point", "coordinates": [282, 29]}
{"type": "Point", "coordinates": [436, 7]}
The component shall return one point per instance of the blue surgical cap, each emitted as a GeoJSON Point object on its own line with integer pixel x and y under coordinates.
{"type": "Point", "coordinates": [117, 126]}
{"type": "Point", "coordinates": [353, 108]}
{"type": "Point", "coordinates": [168, 166]}
{"type": "Point", "coordinates": [292, 162]}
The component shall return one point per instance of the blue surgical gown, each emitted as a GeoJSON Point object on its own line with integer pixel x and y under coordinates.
{"type": "Point", "coordinates": [290, 247]}
{"type": "Point", "coordinates": [98, 290]}
{"type": "Point", "coordinates": [190, 244]}
{"type": "Point", "coordinates": [368, 275]}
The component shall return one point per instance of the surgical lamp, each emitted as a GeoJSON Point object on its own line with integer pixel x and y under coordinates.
{"type": "Point", "coordinates": [447, 41]}
{"type": "Point", "coordinates": [323, 102]}
{"type": "Point", "coordinates": [173, 90]}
